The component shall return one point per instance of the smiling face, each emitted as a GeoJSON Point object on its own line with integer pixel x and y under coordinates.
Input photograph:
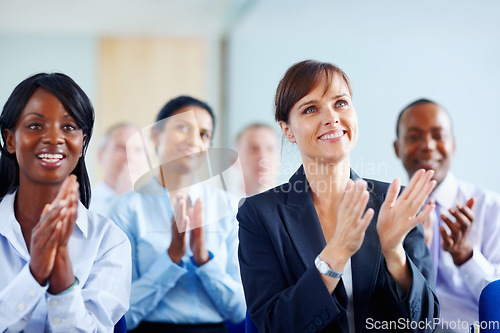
{"type": "Point", "coordinates": [185, 135]}
{"type": "Point", "coordinates": [426, 140]}
{"type": "Point", "coordinates": [46, 140]}
{"type": "Point", "coordinates": [323, 123]}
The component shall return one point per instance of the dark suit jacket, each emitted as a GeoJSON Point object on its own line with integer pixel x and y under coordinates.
{"type": "Point", "coordinates": [280, 236]}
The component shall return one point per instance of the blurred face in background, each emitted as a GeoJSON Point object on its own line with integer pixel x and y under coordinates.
{"type": "Point", "coordinates": [113, 155]}
{"type": "Point", "coordinates": [425, 140]}
{"type": "Point", "coordinates": [183, 140]}
{"type": "Point", "coordinates": [258, 149]}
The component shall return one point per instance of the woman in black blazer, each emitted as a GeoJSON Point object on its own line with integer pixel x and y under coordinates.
{"type": "Point", "coordinates": [329, 251]}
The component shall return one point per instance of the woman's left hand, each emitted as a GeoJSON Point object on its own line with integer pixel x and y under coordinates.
{"type": "Point", "coordinates": [398, 216]}
{"type": "Point", "coordinates": [197, 234]}
{"type": "Point", "coordinates": [62, 274]}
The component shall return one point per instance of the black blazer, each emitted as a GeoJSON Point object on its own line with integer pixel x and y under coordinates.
{"type": "Point", "coordinates": [280, 236]}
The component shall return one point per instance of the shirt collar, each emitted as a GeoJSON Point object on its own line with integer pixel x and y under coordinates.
{"type": "Point", "coordinates": [10, 228]}
{"type": "Point", "coordinates": [446, 192]}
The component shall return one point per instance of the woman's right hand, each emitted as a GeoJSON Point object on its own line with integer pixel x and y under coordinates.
{"type": "Point", "coordinates": [180, 223]}
{"type": "Point", "coordinates": [350, 227]}
{"type": "Point", "coordinates": [45, 240]}
{"type": "Point", "coordinates": [53, 230]}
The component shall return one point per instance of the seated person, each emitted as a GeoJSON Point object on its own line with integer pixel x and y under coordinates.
{"type": "Point", "coordinates": [57, 257]}
{"type": "Point", "coordinates": [465, 243]}
{"type": "Point", "coordinates": [185, 273]}
{"type": "Point", "coordinates": [324, 252]}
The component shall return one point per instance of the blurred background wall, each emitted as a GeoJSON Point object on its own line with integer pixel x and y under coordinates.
{"type": "Point", "coordinates": [131, 56]}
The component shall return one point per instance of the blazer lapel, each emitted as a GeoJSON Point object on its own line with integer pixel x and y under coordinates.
{"type": "Point", "coordinates": [301, 220]}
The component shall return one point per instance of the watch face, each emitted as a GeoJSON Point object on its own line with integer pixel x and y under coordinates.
{"type": "Point", "coordinates": [325, 269]}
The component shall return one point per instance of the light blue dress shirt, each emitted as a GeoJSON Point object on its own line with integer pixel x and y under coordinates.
{"type": "Point", "coordinates": [102, 195]}
{"type": "Point", "coordinates": [100, 255]}
{"type": "Point", "coordinates": [163, 291]}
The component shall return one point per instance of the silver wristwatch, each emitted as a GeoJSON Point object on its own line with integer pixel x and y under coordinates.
{"type": "Point", "coordinates": [325, 269]}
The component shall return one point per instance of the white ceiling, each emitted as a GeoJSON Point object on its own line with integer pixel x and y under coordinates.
{"type": "Point", "coordinates": [121, 17]}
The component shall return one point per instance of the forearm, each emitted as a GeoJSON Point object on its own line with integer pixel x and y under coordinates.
{"type": "Point", "coordinates": [150, 288]}
{"type": "Point", "coordinates": [224, 289]}
{"type": "Point", "coordinates": [18, 299]}
{"type": "Point", "coordinates": [398, 267]}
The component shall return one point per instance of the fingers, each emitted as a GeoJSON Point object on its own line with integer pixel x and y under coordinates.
{"type": "Point", "coordinates": [365, 221]}
{"type": "Point", "coordinates": [50, 215]}
{"type": "Point", "coordinates": [181, 217]}
{"type": "Point", "coordinates": [419, 185]}
{"type": "Point", "coordinates": [392, 192]}
{"type": "Point", "coordinates": [463, 222]}
{"type": "Point", "coordinates": [196, 215]}
{"type": "Point", "coordinates": [66, 188]}
{"type": "Point", "coordinates": [413, 182]}
{"type": "Point", "coordinates": [470, 203]}
{"type": "Point", "coordinates": [68, 223]}
{"type": "Point", "coordinates": [44, 242]}
{"type": "Point", "coordinates": [455, 229]}
{"type": "Point", "coordinates": [466, 212]}
{"type": "Point", "coordinates": [424, 216]}
{"type": "Point", "coordinates": [447, 239]}
{"type": "Point", "coordinates": [423, 189]}
{"type": "Point", "coordinates": [355, 197]}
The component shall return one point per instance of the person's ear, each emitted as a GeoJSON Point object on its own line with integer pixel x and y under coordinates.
{"type": "Point", "coordinates": [10, 141]}
{"type": "Point", "coordinates": [287, 132]}
{"type": "Point", "coordinates": [396, 148]}
{"type": "Point", "coordinates": [83, 142]}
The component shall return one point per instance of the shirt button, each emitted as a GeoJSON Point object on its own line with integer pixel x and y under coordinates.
{"type": "Point", "coordinates": [32, 293]}
{"type": "Point", "coordinates": [54, 303]}
{"type": "Point", "coordinates": [21, 307]}
{"type": "Point", "coordinates": [57, 321]}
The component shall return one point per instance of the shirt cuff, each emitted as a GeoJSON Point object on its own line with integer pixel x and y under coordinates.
{"type": "Point", "coordinates": [65, 310]}
{"type": "Point", "coordinates": [164, 271]}
{"type": "Point", "coordinates": [475, 271]}
{"type": "Point", "coordinates": [210, 257]}
{"type": "Point", "coordinates": [22, 294]}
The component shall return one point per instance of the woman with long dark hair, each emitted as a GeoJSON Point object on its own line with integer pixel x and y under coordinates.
{"type": "Point", "coordinates": [57, 257]}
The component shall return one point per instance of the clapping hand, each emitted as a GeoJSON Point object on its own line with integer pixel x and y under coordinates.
{"type": "Point", "coordinates": [188, 217]}
{"type": "Point", "coordinates": [50, 237]}
{"type": "Point", "coordinates": [398, 216]}
{"type": "Point", "coordinates": [457, 242]}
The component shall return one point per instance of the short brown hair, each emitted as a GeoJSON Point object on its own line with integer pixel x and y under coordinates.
{"type": "Point", "coordinates": [299, 80]}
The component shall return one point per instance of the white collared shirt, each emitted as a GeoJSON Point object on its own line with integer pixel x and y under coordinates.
{"type": "Point", "coordinates": [100, 256]}
{"type": "Point", "coordinates": [458, 288]}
